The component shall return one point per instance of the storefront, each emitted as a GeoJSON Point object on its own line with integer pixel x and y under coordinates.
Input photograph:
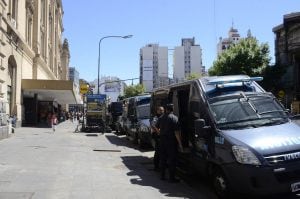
{"type": "Point", "coordinates": [41, 98]}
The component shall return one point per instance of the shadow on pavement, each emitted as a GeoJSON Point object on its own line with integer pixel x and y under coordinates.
{"type": "Point", "coordinates": [123, 141]}
{"type": "Point", "coordinates": [143, 177]}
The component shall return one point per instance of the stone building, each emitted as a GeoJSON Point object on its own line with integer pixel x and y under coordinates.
{"type": "Point", "coordinates": [287, 53]}
{"type": "Point", "coordinates": [224, 43]}
{"type": "Point", "coordinates": [33, 60]}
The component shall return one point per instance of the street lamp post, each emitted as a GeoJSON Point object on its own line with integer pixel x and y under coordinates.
{"type": "Point", "coordinates": [111, 36]}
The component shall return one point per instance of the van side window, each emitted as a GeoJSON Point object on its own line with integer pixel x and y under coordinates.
{"type": "Point", "coordinates": [195, 103]}
{"type": "Point", "coordinates": [181, 109]}
{"type": "Point", "coordinates": [131, 110]}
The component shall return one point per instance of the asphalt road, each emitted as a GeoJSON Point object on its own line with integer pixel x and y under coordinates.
{"type": "Point", "coordinates": [36, 163]}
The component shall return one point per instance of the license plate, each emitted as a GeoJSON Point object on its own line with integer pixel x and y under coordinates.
{"type": "Point", "coordinates": [295, 186]}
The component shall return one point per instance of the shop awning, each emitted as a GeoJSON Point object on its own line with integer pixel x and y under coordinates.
{"type": "Point", "coordinates": [62, 91]}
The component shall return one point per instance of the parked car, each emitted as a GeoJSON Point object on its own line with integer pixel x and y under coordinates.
{"type": "Point", "coordinates": [136, 121]}
{"type": "Point", "coordinates": [115, 111]}
{"type": "Point", "coordinates": [236, 133]}
{"type": "Point", "coordinates": [144, 136]}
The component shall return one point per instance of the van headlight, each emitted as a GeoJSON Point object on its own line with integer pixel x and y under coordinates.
{"type": "Point", "coordinates": [244, 156]}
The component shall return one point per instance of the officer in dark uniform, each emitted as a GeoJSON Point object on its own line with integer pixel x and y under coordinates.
{"type": "Point", "coordinates": [155, 135]}
{"type": "Point", "coordinates": [169, 142]}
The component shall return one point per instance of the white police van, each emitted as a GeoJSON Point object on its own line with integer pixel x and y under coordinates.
{"type": "Point", "coordinates": [235, 132]}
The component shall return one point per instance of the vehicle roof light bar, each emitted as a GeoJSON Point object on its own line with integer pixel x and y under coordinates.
{"type": "Point", "coordinates": [227, 81]}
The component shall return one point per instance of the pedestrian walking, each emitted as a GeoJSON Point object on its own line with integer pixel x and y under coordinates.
{"type": "Point", "coordinates": [53, 122]}
{"type": "Point", "coordinates": [155, 135]}
{"type": "Point", "coordinates": [170, 140]}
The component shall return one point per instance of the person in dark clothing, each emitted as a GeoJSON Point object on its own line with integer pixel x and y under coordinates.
{"type": "Point", "coordinates": [169, 142]}
{"type": "Point", "coordinates": [155, 134]}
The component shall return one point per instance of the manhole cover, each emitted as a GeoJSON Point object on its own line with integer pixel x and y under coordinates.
{"type": "Point", "coordinates": [91, 135]}
{"type": "Point", "coordinates": [106, 150]}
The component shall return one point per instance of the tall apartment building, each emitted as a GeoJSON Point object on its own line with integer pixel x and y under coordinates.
{"type": "Point", "coordinates": [224, 43]}
{"type": "Point", "coordinates": [153, 66]}
{"type": "Point", "coordinates": [187, 59]}
{"type": "Point", "coordinates": [33, 60]}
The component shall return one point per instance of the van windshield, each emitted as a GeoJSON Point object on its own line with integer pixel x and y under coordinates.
{"type": "Point", "coordinates": [247, 111]}
{"type": "Point", "coordinates": [143, 100]}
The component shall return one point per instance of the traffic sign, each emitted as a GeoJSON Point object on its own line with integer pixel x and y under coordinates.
{"type": "Point", "coordinates": [281, 93]}
{"type": "Point", "coordinates": [84, 88]}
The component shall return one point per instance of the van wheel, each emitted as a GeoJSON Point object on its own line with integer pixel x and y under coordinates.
{"type": "Point", "coordinates": [136, 139]}
{"type": "Point", "coordinates": [220, 184]}
{"type": "Point", "coordinates": [140, 143]}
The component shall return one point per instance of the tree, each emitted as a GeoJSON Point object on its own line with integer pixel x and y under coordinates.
{"type": "Point", "coordinates": [247, 57]}
{"type": "Point", "coordinates": [134, 90]}
{"type": "Point", "coordinates": [193, 76]}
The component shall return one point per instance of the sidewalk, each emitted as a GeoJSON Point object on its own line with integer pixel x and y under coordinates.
{"type": "Point", "coordinates": [36, 163]}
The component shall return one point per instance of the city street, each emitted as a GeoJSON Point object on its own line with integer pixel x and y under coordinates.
{"type": "Point", "coordinates": [36, 163]}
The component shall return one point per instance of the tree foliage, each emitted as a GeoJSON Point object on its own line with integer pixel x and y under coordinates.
{"type": "Point", "coordinates": [193, 76]}
{"type": "Point", "coordinates": [134, 90]}
{"type": "Point", "coordinates": [246, 57]}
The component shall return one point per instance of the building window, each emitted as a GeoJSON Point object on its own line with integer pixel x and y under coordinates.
{"type": "Point", "coordinates": [50, 29]}
{"type": "Point", "coordinates": [43, 13]}
{"type": "Point", "coordinates": [28, 30]}
{"type": "Point", "coordinates": [43, 29]}
{"type": "Point", "coordinates": [13, 12]}
{"type": "Point", "coordinates": [29, 22]}
{"type": "Point", "coordinates": [43, 44]}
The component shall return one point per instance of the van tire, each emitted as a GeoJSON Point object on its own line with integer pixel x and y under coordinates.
{"type": "Point", "coordinates": [140, 142]}
{"type": "Point", "coordinates": [220, 184]}
{"type": "Point", "coordinates": [136, 139]}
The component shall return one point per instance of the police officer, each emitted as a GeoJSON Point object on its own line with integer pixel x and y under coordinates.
{"type": "Point", "coordinates": [155, 134]}
{"type": "Point", "coordinates": [169, 141]}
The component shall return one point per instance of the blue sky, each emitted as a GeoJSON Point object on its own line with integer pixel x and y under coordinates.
{"type": "Point", "coordinates": [164, 22]}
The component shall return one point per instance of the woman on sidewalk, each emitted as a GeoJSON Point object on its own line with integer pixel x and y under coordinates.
{"type": "Point", "coordinates": [53, 121]}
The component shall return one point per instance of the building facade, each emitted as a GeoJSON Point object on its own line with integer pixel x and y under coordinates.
{"type": "Point", "coordinates": [113, 87]}
{"type": "Point", "coordinates": [224, 43]}
{"type": "Point", "coordinates": [187, 60]}
{"type": "Point", "coordinates": [287, 54]}
{"type": "Point", "coordinates": [153, 66]}
{"type": "Point", "coordinates": [32, 56]}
